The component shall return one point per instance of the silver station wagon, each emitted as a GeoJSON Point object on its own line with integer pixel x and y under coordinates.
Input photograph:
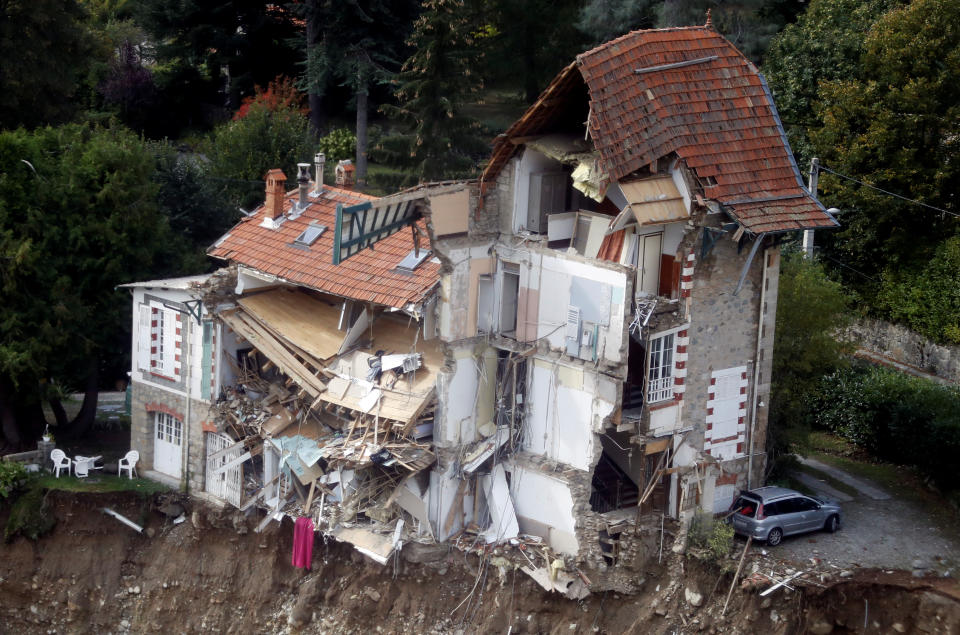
{"type": "Point", "coordinates": [770, 513]}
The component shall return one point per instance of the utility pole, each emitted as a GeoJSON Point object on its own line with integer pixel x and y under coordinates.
{"type": "Point", "coordinates": [812, 186]}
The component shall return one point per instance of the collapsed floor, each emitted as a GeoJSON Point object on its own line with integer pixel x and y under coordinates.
{"type": "Point", "coordinates": [214, 573]}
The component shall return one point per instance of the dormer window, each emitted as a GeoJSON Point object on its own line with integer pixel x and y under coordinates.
{"type": "Point", "coordinates": [310, 234]}
{"type": "Point", "coordinates": [413, 260]}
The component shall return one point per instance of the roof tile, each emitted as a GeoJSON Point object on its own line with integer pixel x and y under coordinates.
{"type": "Point", "coordinates": [368, 276]}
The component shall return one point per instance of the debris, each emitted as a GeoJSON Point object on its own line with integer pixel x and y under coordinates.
{"type": "Point", "coordinates": [736, 575]}
{"type": "Point", "coordinates": [692, 596]}
{"type": "Point", "coordinates": [503, 517]}
{"type": "Point", "coordinates": [126, 521]}
{"type": "Point", "coordinates": [782, 583]}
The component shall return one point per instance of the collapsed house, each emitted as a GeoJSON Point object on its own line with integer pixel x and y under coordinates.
{"type": "Point", "coordinates": [552, 359]}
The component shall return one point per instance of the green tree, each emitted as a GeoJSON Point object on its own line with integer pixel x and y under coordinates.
{"type": "Point", "coordinates": [78, 216]}
{"type": "Point", "coordinates": [895, 123]}
{"type": "Point", "coordinates": [811, 310]}
{"type": "Point", "coordinates": [230, 46]}
{"type": "Point", "coordinates": [46, 52]}
{"type": "Point", "coordinates": [360, 44]}
{"type": "Point", "coordinates": [927, 299]}
{"type": "Point", "coordinates": [825, 44]}
{"type": "Point", "coordinates": [439, 141]}
{"type": "Point", "coordinates": [531, 41]}
{"type": "Point", "coordinates": [271, 134]}
{"type": "Point", "coordinates": [603, 20]}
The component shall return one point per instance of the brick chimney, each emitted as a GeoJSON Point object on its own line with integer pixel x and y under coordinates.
{"type": "Point", "coordinates": [273, 206]}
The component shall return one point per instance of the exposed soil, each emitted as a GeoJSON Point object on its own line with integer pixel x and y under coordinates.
{"type": "Point", "coordinates": [213, 573]}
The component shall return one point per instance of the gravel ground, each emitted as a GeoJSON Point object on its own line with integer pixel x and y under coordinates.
{"type": "Point", "coordinates": [888, 534]}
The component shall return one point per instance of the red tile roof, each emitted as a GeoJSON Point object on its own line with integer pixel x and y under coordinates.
{"type": "Point", "coordinates": [368, 276]}
{"type": "Point", "coordinates": [697, 96]}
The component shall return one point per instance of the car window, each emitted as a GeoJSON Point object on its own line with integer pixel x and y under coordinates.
{"type": "Point", "coordinates": [788, 505]}
{"type": "Point", "coordinates": [773, 509]}
{"type": "Point", "coordinates": [806, 505]}
{"type": "Point", "coordinates": [746, 506]}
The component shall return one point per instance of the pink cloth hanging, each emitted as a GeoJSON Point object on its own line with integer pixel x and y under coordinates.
{"type": "Point", "coordinates": [302, 543]}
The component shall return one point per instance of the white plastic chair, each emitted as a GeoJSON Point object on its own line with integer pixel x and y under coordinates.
{"type": "Point", "coordinates": [60, 461]}
{"type": "Point", "coordinates": [128, 463]}
{"type": "Point", "coordinates": [81, 467]}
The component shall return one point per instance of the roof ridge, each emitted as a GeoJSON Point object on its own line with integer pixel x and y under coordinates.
{"type": "Point", "coordinates": [616, 40]}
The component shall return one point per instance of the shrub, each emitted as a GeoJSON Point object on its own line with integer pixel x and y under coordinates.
{"type": "Point", "coordinates": [902, 419]}
{"type": "Point", "coordinates": [12, 475]}
{"type": "Point", "coordinates": [30, 516]}
{"type": "Point", "coordinates": [340, 144]}
{"type": "Point", "coordinates": [712, 535]}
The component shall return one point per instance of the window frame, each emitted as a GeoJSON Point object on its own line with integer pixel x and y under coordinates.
{"type": "Point", "coordinates": [660, 387]}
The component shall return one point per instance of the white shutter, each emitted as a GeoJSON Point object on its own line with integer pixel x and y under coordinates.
{"type": "Point", "coordinates": [142, 354]}
{"type": "Point", "coordinates": [169, 337]}
{"type": "Point", "coordinates": [726, 404]}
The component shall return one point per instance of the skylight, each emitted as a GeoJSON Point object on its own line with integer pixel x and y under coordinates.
{"type": "Point", "coordinates": [310, 234]}
{"type": "Point", "coordinates": [413, 259]}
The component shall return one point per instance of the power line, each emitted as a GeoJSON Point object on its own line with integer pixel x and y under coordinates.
{"type": "Point", "coordinates": [844, 265]}
{"type": "Point", "coordinates": [880, 189]}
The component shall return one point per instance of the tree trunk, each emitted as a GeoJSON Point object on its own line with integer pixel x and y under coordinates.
{"type": "Point", "coordinates": [59, 414]}
{"type": "Point", "coordinates": [318, 119]}
{"type": "Point", "coordinates": [8, 419]}
{"type": "Point", "coordinates": [361, 174]}
{"type": "Point", "coordinates": [82, 423]}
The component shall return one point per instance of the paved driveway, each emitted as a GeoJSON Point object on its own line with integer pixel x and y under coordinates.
{"type": "Point", "coordinates": [879, 530]}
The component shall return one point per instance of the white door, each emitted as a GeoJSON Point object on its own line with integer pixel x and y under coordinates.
{"type": "Point", "coordinates": [225, 484]}
{"type": "Point", "coordinates": [649, 259]}
{"type": "Point", "coordinates": [167, 444]}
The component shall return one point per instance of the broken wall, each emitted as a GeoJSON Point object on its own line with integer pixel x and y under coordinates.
{"type": "Point", "coordinates": [567, 407]}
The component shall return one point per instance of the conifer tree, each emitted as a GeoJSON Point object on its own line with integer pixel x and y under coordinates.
{"type": "Point", "coordinates": [440, 141]}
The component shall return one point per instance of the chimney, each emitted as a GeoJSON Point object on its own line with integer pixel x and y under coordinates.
{"type": "Point", "coordinates": [303, 181]}
{"type": "Point", "coordinates": [318, 161]}
{"type": "Point", "coordinates": [344, 174]}
{"type": "Point", "coordinates": [273, 206]}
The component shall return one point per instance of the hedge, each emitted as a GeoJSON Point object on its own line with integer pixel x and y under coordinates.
{"type": "Point", "coordinates": [898, 418]}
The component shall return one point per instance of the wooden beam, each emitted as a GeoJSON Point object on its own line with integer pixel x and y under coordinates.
{"type": "Point", "coordinates": [232, 464]}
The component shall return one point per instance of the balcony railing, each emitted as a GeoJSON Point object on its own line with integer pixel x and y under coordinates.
{"type": "Point", "coordinates": [660, 389]}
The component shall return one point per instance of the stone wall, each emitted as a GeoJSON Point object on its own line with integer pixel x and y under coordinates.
{"type": "Point", "coordinates": [723, 335]}
{"type": "Point", "coordinates": [904, 346]}
{"type": "Point", "coordinates": [147, 399]}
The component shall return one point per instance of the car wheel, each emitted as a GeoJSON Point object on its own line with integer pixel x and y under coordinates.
{"type": "Point", "coordinates": [833, 523]}
{"type": "Point", "coordinates": [774, 537]}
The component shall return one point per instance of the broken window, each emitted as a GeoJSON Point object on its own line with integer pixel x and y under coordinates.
{"type": "Point", "coordinates": [310, 234]}
{"type": "Point", "coordinates": [660, 365]}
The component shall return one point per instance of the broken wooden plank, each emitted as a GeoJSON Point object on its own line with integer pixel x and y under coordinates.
{"type": "Point", "coordinates": [232, 464]}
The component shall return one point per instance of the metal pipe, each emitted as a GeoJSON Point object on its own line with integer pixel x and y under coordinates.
{"type": "Point", "coordinates": [756, 365]}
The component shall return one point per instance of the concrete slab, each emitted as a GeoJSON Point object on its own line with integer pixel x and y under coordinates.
{"type": "Point", "coordinates": [858, 484]}
{"type": "Point", "coordinates": [821, 488]}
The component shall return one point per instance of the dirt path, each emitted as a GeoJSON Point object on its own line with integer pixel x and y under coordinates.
{"type": "Point", "coordinates": [879, 530]}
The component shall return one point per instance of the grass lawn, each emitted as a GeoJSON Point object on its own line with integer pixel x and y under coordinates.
{"type": "Point", "coordinates": [100, 484]}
